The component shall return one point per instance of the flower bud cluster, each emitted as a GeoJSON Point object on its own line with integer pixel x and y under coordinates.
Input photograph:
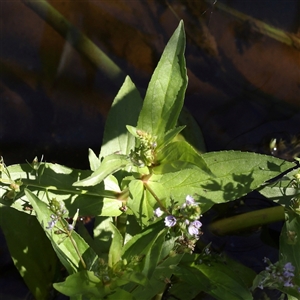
{"type": "Point", "coordinates": [184, 221]}
{"type": "Point", "coordinates": [58, 207]}
{"type": "Point", "coordinates": [59, 211]}
{"type": "Point", "coordinates": [278, 276]}
{"type": "Point", "coordinates": [144, 154]}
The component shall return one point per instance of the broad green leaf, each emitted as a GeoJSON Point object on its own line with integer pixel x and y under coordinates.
{"type": "Point", "coordinates": [90, 286]}
{"type": "Point", "coordinates": [63, 247]}
{"type": "Point", "coordinates": [124, 111]}
{"type": "Point", "coordinates": [114, 255]}
{"type": "Point", "coordinates": [93, 160]}
{"type": "Point", "coordinates": [235, 174]}
{"type": "Point", "coordinates": [30, 250]}
{"type": "Point", "coordinates": [179, 155]}
{"type": "Point", "coordinates": [110, 164]}
{"type": "Point", "coordinates": [165, 93]}
{"type": "Point", "coordinates": [223, 163]}
{"type": "Point", "coordinates": [220, 280]}
{"type": "Point", "coordinates": [142, 201]}
{"type": "Point", "coordinates": [82, 283]}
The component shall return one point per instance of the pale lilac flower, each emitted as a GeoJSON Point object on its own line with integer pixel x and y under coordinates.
{"type": "Point", "coordinates": [289, 267]}
{"type": "Point", "coordinates": [288, 283]}
{"type": "Point", "coordinates": [158, 212]}
{"type": "Point", "coordinates": [189, 200]}
{"type": "Point", "coordinates": [52, 222]}
{"type": "Point", "coordinates": [170, 221]}
{"type": "Point", "coordinates": [194, 228]}
{"type": "Point", "coordinates": [288, 273]}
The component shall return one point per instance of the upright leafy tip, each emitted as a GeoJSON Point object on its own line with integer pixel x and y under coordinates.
{"type": "Point", "coordinates": [166, 90]}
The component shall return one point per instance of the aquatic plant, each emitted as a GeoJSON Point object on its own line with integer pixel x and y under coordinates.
{"type": "Point", "coordinates": [147, 189]}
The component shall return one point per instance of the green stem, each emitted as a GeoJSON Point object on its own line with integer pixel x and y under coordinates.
{"type": "Point", "coordinates": [247, 220]}
{"type": "Point", "coordinates": [77, 39]}
{"type": "Point", "coordinates": [69, 233]}
{"type": "Point", "coordinates": [156, 198]}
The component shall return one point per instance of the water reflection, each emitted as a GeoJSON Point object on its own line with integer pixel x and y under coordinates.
{"type": "Point", "coordinates": [243, 84]}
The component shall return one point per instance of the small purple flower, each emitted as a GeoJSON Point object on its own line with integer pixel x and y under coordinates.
{"type": "Point", "coordinates": [289, 267]}
{"type": "Point", "coordinates": [189, 200]}
{"type": "Point", "coordinates": [287, 274]}
{"type": "Point", "coordinates": [288, 270]}
{"type": "Point", "coordinates": [170, 221]}
{"type": "Point", "coordinates": [158, 212]}
{"type": "Point", "coordinates": [51, 224]}
{"type": "Point", "coordinates": [288, 283]}
{"type": "Point", "coordinates": [197, 224]}
{"type": "Point", "coordinates": [194, 227]}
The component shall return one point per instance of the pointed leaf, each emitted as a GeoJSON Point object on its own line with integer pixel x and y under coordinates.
{"type": "Point", "coordinates": [115, 249]}
{"type": "Point", "coordinates": [93, 160]}
{"type": "Point", "coordinates": [179, 151]}
{"type": "Point", "coordinates": [169, 136]}
{"type": "Point", "coordinates": [124, 111]}
{"type": "Point", "coordinates": [110, 164]}
{"type": "Point", "coordinates": [165, 93]}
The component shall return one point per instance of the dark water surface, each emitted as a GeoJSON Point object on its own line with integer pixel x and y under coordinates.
{"type": "Point", "coordinates": [244, 86]}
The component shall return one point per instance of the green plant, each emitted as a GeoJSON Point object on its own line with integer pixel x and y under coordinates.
{"type": "Point", "coordinates": [147, 191]}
